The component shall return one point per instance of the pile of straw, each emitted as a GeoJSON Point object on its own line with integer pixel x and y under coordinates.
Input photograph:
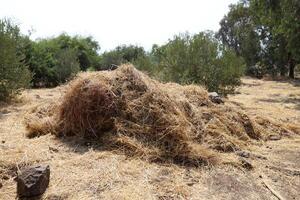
{"type": "Point", "coordinates": [132, 113]}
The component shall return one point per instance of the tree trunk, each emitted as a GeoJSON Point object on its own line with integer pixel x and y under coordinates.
{"type": "Point", "coordinates": [291, 64]}
{"type": "Point", "coordinates": [292, 68]}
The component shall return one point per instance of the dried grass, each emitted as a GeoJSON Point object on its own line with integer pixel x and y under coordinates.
{"type": "Point", "coordinates": [134, 114]}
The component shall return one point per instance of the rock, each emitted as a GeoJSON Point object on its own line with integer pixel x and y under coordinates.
{"type": "Point", "coordinates": [33, 181]}
{"type": "Point", "coordinates": [1, 185]}
{"type": "Point", "coordinates": [274, 137]}
{"type": "Point", "coordinates": [246, 164]}
{"type": "Point", "coordinates": [244, 154]}
{"type": "Point", "coordinates": [113, 67]}
{"type": "Point", "coordinates": [215, 98]}
{"type": "Point", "coordinates": [213, 94]}
{"type": "Point", "coordinates": [3, 141]}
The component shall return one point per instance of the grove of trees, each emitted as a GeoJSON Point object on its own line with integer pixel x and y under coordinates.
{"type": "Point", "coordinates": [54, 60]}
{"type": "Point", "coordinates": [256, 37]}
{"type": "Point", "coordinates": [265, 33]}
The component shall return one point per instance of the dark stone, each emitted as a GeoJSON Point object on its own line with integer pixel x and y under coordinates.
{"type": "Point", "coordinates": [33, 181]}
{"type": "Point", "coordinates": [215, 98]}
{"type": "Point", "coordinates": [1, 185]}
{"type": "Point", "coordinates": [113, 67]}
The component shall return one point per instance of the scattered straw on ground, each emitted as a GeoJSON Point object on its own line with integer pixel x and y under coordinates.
{"type": "Point", "coordinates": [87, 169]}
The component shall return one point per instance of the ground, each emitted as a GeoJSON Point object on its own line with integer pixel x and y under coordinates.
{"type": "Point", "coordinates": [81, 170]}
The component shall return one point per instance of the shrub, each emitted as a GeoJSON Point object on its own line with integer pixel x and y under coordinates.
{"type": "Point", "coordinates": [121, 55]}
{"type": "Point", "coordinates": [199, 59]}
{"type": "Point", "coordinates": [67, 65]}
{"type": "Point", "coordinates": [14, 74]}
{"type": "Point", "coordinates": [45, 62]}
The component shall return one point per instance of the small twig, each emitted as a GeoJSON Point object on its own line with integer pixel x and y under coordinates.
{"type": "Point", "coordinates": [274, 192]}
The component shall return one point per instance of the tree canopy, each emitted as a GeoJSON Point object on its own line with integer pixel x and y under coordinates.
{"type": "Point", "coordinates": [45, 56]}
{"type": "Point", "coordinates": [265, 33]}
{"type": "Point", "coordinates": [199, 59]}
{"type": "Point", "coordinates": [260, 36]}
{"type": "Point", "coordinates": [14, 74]}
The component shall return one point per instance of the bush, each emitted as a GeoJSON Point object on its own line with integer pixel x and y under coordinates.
{"type": "Point", "coordinates": [110, 58]}
{"type": "Point", "coordinates": [14, 74]}
{"type": "Point", "coordinates": [67, 65]}
{"type": "Point", "coordinates": [122, 55]}
{"type": "Point", "coordinates": [199, 59]}
{"type": "Point", "coordinates": [231, 69]}
{"type": "Point", "coordinates": [46, 63]}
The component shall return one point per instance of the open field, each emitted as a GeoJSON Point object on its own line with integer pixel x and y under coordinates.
{"type": "Point", "coordinates": [81, 169]}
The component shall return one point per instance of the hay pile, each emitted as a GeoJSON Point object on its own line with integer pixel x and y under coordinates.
{"type": "Point", "coordinates": [132, 113]}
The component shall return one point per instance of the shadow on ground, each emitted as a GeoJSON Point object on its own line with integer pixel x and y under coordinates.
{"type": "Point", "coordinates": [293, 100]}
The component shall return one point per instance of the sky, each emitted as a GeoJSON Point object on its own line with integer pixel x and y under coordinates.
{"type": "Point", "coordinates": [116, 22]}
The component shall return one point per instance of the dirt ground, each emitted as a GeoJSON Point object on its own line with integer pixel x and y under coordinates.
{"type": "Point", "coordinates": [82, 170]}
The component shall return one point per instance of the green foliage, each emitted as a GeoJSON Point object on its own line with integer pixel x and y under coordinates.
{"type": "Point", "coordinates": [14, 74]}
{"type": "Point", "coordinates": [47, 65]}
{"type": "Point", "coordinates": [266, 32]}
{"type": "Point", "coordinates": [123, 54]}
{"type": "Point", "coordinates": [145, 63]}
{"type": "Point", "coordinates": [110, 58]}
{"type": "Point", "coordinates": [67, 65]}
{"type": "Point", "coordinates": [238, 31]}
{"type": "Point", "coordinates": [199, 59]}
{"type": "Point", "coordinates": [85, 48]}
{"type": "Point", "coordinates": [231, 68]}
{"type": "Point", "coordinates": [267, 17]}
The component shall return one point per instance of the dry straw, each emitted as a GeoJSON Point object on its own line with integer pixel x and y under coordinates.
{"type": "Point", "coordinates": [134, 114]}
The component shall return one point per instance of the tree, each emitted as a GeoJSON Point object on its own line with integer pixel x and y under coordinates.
{"type": "Point", "coordinates": [239, 32]}
{"type": "Point", "coordinates": [268, 16]}
{"type": "Point", "coordinates": [14, 74]}
{"type": "Point", "coordinates": [46, 65]}
{"type": "Point", "coordinates": [265, 31]}
{"type": "Point", "coordinates": [85, 48]}
{"type": "Point", "coordinates": [290, 28]}
{"type": "Point", "coordinates": [67, 65]}
{"type": "Point", "coordinates": [123, 54]}
{"type": "Point", "coordinates": [199, 59]}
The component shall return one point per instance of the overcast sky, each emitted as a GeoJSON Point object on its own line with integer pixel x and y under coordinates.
{"type": "Point", "coordinates": [115, 22]}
